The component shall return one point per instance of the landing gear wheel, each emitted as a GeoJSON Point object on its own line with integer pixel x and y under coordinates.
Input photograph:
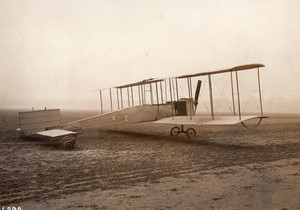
{"type": "Point", "coordinates": [69, 145]}
{"type": "Point", "coordinates": [174, 131]}
{"type": "Point", "coordinates": [190, 132]}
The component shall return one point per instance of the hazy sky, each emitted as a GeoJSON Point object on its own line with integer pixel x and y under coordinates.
{"type": "Point", "coordinates": [54, 53]}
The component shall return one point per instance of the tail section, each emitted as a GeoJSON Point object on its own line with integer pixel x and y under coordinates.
{"type": "Point", "coordinates": [36, 121]}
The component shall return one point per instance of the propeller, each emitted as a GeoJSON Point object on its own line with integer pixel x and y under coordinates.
{"type": "Point", "coordinates": [197, 93]}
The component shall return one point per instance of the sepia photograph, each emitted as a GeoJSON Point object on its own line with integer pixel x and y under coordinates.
{"type": "Point", "coordinates": [167, 104]}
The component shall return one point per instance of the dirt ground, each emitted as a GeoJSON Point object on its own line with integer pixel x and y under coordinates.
{"type": "Point", "coordinates": [142, 167]}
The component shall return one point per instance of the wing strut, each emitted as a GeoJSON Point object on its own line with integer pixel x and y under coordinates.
{"type": "Point", "coordinates": [161, 92]}
{"type": "Point", "coordinates": [132, 96]}
{"type": "Point", "coordinates": [211, 97]}
{"type": "Point", "coordinates": [171, 98]}
{"type": "Point", "coordinates": [151, 93]}
{"type": "Point", "coordinates": [189, 81]}
{"type": "Point", "coordinates": [101, 104]}
{"type": "Point", "coordinates": [174, 90]}
{"type": "Point", "coordinates": [110, 99]}
{"type": "Point", "coordinates": [128, 98]}
{"type": "Point", "coordinates": [232, 93]}
{"type": "Point", "coordinates": [238, 94]}
{"type": "Point", "coordinates": [177, 88]}
{"type": "Point", "coordinates": [259, 88]}
{"type": "Point", "coordinates": [121, 94]}
{"type": "Point", "coordinates": [118, 98]}
{"type": "Point", "coordinates": [157, 98]}
{"type": "Point", "coordinates": [139, 91]}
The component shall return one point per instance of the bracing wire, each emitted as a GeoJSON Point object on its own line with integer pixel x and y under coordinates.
{"type": "Point", "coordinates": [224, 89]}
{"type": "Point", "coordinates": [249, 104]}
{"type": "Point", "coordinates": [202, 91]}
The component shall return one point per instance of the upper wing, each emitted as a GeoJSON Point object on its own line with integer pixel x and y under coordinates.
{"type": "Point", "coordinates": [236, 68]}
{"type": "Point", "coordinates": [143, 82]}
{"type": "Point", "coordinates": [155, 80]}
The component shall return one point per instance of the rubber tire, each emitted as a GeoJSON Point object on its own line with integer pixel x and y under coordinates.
{"type": "Point", "coordinates": [190, 132]}
{"type": "Point", "coordinates": [174, 131]}
{"type": "Point", "coordinates": [69, 145]}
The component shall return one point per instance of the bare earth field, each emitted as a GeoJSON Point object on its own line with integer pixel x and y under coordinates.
{"type": "Point", "coordinates": [142, 167]}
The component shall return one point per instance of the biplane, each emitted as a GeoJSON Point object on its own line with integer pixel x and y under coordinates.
{"type": "Point", "coordinates": [160, 100]}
